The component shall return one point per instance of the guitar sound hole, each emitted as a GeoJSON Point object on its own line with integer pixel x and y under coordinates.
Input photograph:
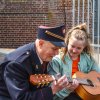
{"type": "Point", "coordinates": [90, 82]}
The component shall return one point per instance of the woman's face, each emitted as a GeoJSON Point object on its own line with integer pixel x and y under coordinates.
{"type": "Point", "coordinates": [75, 47]}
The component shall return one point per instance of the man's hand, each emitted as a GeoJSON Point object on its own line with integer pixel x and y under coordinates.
{"type": "Point", "coordinates": [62, 83]}
{"type": "Point", "coordinates": [59, 84]}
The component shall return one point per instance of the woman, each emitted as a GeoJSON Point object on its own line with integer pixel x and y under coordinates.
{"type": "Point", "coordinates": [76, 57]}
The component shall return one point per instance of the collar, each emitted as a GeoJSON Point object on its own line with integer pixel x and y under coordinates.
{"type": "Point", "coordinates": [34, 56]}
{"type": "Point", "coordinates": [39, 57]}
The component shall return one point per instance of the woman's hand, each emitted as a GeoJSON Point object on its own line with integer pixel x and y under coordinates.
{"type": "Point", "coordinates": [72, 86]}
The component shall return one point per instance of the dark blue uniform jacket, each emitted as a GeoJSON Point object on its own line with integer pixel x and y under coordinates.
{"type": "Point", "coordinates": [15, 71]}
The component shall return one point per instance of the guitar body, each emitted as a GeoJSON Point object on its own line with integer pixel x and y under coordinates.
{"type": "Point", "coordinates": [89, 92]}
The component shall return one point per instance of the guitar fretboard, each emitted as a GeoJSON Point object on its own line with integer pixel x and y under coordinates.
{"type": "Point", "coordinates": [83, 81]}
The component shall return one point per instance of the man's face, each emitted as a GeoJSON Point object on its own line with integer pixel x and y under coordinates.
{"type": "Point", "coordinates": [48, 50]}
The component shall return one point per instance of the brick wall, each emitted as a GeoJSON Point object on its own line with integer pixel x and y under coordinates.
{"type": "Point", "coordinates": [19, 19]}
{"type": "Point", "coordinates": [18, 23]}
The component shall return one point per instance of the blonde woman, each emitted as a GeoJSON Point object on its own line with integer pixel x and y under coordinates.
{"type": "Point", "coordinates": [76, 57]}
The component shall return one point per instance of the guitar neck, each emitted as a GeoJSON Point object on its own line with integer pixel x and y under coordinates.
{"type": "Point", "coordinates": [83, 81]}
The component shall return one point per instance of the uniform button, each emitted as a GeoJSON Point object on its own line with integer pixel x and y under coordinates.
{"type": "Point", "coordinates": [27, 53]}
{"type": "Point", "coordinates": [36, 66]}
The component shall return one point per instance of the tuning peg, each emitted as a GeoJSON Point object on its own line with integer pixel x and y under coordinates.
{"type": "Point", "coordinates": [47, 83]}
{"type": "Point", "coordinates": [39, 84]}
{"type": "Point", "coordinates": [42, 84]}
{"type": "Point", "coordinates": [45, 76]}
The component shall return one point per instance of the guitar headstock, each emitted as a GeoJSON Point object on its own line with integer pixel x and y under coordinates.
{"type": "Point", "coordinates": [41, 79]}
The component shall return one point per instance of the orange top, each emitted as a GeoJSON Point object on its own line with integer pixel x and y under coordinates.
{"type": "Point", "coordinates": [75, 65]}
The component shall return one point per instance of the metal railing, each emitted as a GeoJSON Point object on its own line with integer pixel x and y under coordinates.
{"type": "Point", "coordinates": [89, 9]}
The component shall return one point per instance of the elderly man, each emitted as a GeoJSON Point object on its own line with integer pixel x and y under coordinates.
{"type": "Point", "coordinates": [19, 65]}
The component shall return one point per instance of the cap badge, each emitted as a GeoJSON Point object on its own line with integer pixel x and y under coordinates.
{"type": "Point", "coordinates": [54, 35]}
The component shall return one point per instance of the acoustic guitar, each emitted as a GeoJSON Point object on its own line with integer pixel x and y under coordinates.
{"type": "Point", "coordinates": [89, 88]}
{"type": "Point", "coordinates": [89, 92]}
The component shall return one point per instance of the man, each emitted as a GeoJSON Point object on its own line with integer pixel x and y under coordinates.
{"type": "Point", "coordinates": [18, 65]}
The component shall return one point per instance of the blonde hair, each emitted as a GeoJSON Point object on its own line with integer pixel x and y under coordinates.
{"type": "Point", "coordinates": [80, 33]}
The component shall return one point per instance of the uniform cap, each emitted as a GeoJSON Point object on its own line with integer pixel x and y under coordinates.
{"type": "Point", "coordinates": [55, 35]}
